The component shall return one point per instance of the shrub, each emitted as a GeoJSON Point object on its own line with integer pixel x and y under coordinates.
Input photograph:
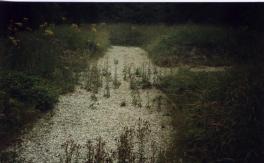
{"type": "Point", "coordinates": [36, 53]}
{"type": "Point", "coordinates": [29, 89]}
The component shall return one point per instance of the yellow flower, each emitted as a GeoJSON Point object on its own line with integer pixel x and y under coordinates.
{"type": "Point", "coordinates": [19, 24]}
{"type": "Point", "coordinates": [14, 42]}
{"type": "Point", "coordinates": [25, 19]}
{"type": "Point", "coordinates": [29, 29]}
{"type": "Point", "coordinates": [45, 24]}
{"type": "Point", "coordinates": [49, 32]}
{"type": "Point", "coordinates": [94, 29]}
{"type": "Point", "coordinates": [74, 25]}
{"type": "Point", "coordinates": [63, 18]}
{"type": "Point", "coordinates": [11, 38]}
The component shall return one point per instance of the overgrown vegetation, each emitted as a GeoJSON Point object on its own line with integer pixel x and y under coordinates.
{"type": "Point", "coordinates": [192, 44]}
{"type": "Point", "coordinates": [126, 34]}
{"type": "Point", "coordinates": [37, 66]}
{"type": "Point", "coordinates": [131, 148]}
{"type": "Point", "coordinates": [218, 115]}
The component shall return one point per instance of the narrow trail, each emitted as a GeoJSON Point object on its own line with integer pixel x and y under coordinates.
{"type": "Point", "coordinates": [74, 118]}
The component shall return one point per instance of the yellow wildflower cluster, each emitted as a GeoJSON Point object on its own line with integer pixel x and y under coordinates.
{"type": "Point", "coordinates": [14, 26]}
{"type": "Point", "coordinates": [19, 24]}
{"type": "Point", "coordinates": [76, 27]}
{"type": "Point", "coordinates": [133, 27]}
{"type": "Point", "coordinates": [64, 18]}
{"type": "Point", "coordinates": [14, 41]}
{"type": "Point", "coordinates": [44, 25]}
{"type": "Point", "coordinates": [25, 19]}
{"type": "Point", "coordinates": [49, 32]}
{"type": "Point", "coordinates": [93, 27]}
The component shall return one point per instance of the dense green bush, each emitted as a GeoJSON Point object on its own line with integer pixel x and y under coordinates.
{"type": "Point", "coordinates": [22, 99]}
{"type": "Point", "coordinates": [218, 115]}
{"type": "Point", "coordinates": [29, 89]}
{"type": "Point", "coordinates": [71, 37]}
{"type": "Point", "coordinates": [34, 53]}
{"type": "Point", "coordinates": [56, 53]}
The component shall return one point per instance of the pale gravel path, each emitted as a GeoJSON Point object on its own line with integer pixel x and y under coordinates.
{"type": "Point", "coordinates": [73, 118]}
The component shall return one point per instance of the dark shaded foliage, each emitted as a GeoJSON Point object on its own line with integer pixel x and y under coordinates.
{"type": "Point", "coordinates": [236, 14]}
{"type": "Point", "coordinates": [29, 89]}
{"type": "Point", "coordinates": [218, 115]}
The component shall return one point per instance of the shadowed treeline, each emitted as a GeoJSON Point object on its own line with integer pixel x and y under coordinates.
{"type": "Point", "coordinates": [247, 14]}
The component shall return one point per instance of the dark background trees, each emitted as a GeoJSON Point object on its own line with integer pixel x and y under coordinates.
{"type": "Point", "coordinates": [235, 14]}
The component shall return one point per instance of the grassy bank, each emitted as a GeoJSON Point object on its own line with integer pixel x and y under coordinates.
{"type": "Point", "coordinates": [218, 115]}
{"type": "Point", "coordinates": [37, 66]}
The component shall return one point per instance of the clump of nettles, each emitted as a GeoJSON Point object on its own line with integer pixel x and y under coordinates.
{"type": "Point", "coordinates": [116, 83]}
{"type": "Point", "coordinates": [136, 99]}
{"type": "Point", "coordinates": [123, 104]}
{"type": "Point", "coordinates": [156, 77]}
{"type": "Point", "coordinates": [148, 105]}
{"type": "Point", "coordinates": [142, 133]}
{"type": "Point", "coordinates": [146, 77]}
{"type": "Point", "coordinates": [105, 69]}
{"type": "Point", "coordinates": [159, 102]}
{"type": "Point", "coordinates": [125, 146]}
{"type": "Point", "coordinates": [133, 83]}
{"type": "Point", "coordinates": [125, 72]}
{"type": "Point", "coordinates": [71, 152]}
{"type": "Point", "coordinates": [107, 86]}
{"type": "Point", "coordinates": [131, 148]}
{"type": "Point", "coordinates": [141, 78]}
{"type": "Point", "coordinates": [93, 79]}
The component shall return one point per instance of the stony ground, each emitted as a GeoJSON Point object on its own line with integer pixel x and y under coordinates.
{"type": "Point", "coordinates": [79, 118]}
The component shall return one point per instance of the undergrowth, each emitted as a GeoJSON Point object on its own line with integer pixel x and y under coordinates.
{"type": "Point", "coordinates": [38, 65]}
{"type": "Point", "coordinates": [218, 115]}
{"type": "Point", "coordinates": [192, 44]}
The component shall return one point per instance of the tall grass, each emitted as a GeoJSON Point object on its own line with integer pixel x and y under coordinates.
{"type": "Point", "coordinates": [131, 147]}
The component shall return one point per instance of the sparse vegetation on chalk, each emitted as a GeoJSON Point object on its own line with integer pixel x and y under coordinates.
{"type": "Point", "coordinates": [131, 148]}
